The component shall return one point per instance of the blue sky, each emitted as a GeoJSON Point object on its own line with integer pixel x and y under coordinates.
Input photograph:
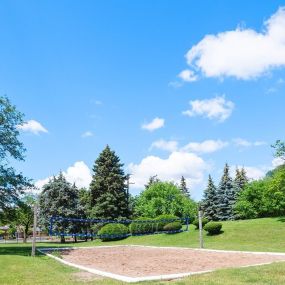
{"type": "Point", "coordinates": [91, 73]}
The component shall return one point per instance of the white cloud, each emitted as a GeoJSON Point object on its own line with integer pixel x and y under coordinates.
{"type": "Point", "coordinates": [255, 173]}
{"type": "Point", "coordinates": [155, 124]}
{"type": "Point", "coordinates": [33, 126]}
{"type": "Point", "coordinates": [191, 166]}
{"type": "Point", "coordinates": [277, 161]}
{"type": "Point", "coordinates": [245, 143]}
{"type": "Point", "coordinates": [188, 75]}
{"type": "Point", "coordinates": [87, 134]}
{"type": "Point", "coordinates": [79, 173]}
{"type": "Point", "coordinates": [164, 145]}
{"type": "Point", "coordinates": [207, 146]}
{"type": "Point", "coordinates": [216, 108]}
{"type": "Point", "coordinates": [241, 53]}
{"type": "Point", "coordinates": [252, 172]}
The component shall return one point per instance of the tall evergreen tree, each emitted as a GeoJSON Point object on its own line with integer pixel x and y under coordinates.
{"type": "Point", "coordinates": [60, 198]}
{"type": "Point", "coordinates": [209, 202]}
{"type": "Point", "coordinates": [183, 187]}
{"type": "Point", "coordinates": [240, 179]}
{"type": "Point", "coordinates": [225, 197]}
{"type": "Point", "coordinates": [108, 187]}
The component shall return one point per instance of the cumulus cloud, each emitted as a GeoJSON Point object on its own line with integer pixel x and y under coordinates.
{"type": "Point", "coordinates": [164, 145]}
{"type": "Point", "coordinates": [277, 161]}
{"type": "Point", "coordinates": [188, 75]}
{"type": "Point", "coordinates": [207, 146]}
{"type": "Point", "coordinates": [252, 172]}
{"type": "Point", "coordinates": [217, 108]}
{"type": "Point", "coordinates": [79, 173]}
{"type": "Point", "coordinates": [87, 134]}
{"type": "Point", "coordinates": [241, 53]}
{"type": "Point", "coordinates": [191, 166]}
{"type": "Point", "coordinates": [155, 124]}
{"type": "Point", "coordinates": [255, 173]}
{"type": "Point", "coordinates": [32, 126]}
{"type": "Point", "coordinates": [245, 143]}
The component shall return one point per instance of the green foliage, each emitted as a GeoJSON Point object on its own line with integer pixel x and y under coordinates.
{"type": "Point", "coordinates": [60, 198]}
{"type": "Point", "coordinates": [196, 223]}
{"type": "Point", "coordinates": [174, 226]}
{"type": "Point", "coordinates": [210, 201]}
{"type": "Point", "coordinates": [25, 215]}
{"type": "Point", "coordinates": [142, 225]}
{"type": "Point", "coordinates": [213, 228]}
{"type": "Point", "coordinates": [163, 220]}
{"type": "Point", "coordinates": [113, 232]}
{"type": "Point", "coordinates": [279, 147]}
{"type": "Point", "coordinates": [226, 197]}
{"type": "Point", "coordinates": [164, 198]}
{"type": "Point", "coordinates": [183, 187]}
{"type": "Point", "coordinates": [152, 180]}
{"type": "Point", "coordinates": [11, 183]}
{"type": "Point", "coordinates": [108, 187]}
{"type": "Point", "coordinates": [263, 198]}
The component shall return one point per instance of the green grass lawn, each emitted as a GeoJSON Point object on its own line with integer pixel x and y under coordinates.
{"type": "Point", "coordinates": [17, 267]}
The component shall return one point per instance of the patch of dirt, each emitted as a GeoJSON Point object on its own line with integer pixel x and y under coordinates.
{"type": "Point", "coordinates": [136, 261]}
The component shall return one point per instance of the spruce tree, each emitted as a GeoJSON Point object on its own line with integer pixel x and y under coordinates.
{"type": "Point", "coordinates": [183, 187]}
{"type": "Point", "coordinates": [240, 182]}
{"type": "Point", "coordinates": [209, 202]}
{"type": "Point", "coordinates": [60, 198]}
{"type": "Point", "coordinates": [225, 197]}
{"type": "Point", "coordinates": [108, 187]}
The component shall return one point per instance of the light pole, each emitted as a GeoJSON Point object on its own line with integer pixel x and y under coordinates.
{"type": "Point", "coordinates": [200, 226]}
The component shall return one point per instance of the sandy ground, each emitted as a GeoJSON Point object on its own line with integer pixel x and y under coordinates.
{"type": "Point", "coordinates": [142, 261]}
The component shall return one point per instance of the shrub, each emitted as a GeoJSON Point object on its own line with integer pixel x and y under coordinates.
{"type": "Point", "coordinates": [113, 232]}
{"type": "Point", "coordinates": [96, 228]}
{"type": "Point", "coordinates": [163, 220]}
{"type": "Point", "coordinates": [142, 225]}
{"type": "Point", "coordinates": [213, 228]}
{"type": "Point", "coordinates": [174, 226]}
{"type": "Point", "coordinates": [204, 222]}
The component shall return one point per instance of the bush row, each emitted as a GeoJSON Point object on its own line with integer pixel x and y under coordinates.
{"type": "Point", "coordinates": [145, 225]}
{"type": "Point", "coordinates": [142, 225]}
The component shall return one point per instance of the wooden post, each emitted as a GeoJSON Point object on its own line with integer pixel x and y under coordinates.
{"type": "Point", "coordinates": [34, 231]}
{"type": "Point", "coordinates": [200, 228]}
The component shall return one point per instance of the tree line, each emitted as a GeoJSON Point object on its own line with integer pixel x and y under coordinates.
{"type": "Point", "coordinates": [108, 196]}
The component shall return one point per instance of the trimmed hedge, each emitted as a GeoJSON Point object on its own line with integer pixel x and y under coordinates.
{"type": "Point", "coordinates": [174, 226]}
{"type": "Point", "coordinates": [163, 220]}
{"type": "Point", "coordinates": [142, 225]}
{"type": "Point", "coordinates": [213, 228]}
{"type": "Point", "coordinates": [204, 222]}
{"type": "Point", "coordinates": [113, 232]}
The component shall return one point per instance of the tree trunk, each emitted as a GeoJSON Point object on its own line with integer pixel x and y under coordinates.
{"type": "Point", "coordinates": [25, 237]}
{"type": "Point", "coordinates": [62, 239]}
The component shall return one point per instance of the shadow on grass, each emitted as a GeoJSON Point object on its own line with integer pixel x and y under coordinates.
{"type": "Point", "coordinates": [217, 234]}
{"type": "Point", "coordinates": [281, 220]}
{"type": "Point", "coordinates": [22, 251]}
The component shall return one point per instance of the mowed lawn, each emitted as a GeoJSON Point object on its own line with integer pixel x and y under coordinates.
{"type": "Point", "coordinates": [17, 267]}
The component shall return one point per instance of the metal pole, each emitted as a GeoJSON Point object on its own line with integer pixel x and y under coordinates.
{"type": "Point", "coordinates": [200, 228]}
{"type": "Point", "coordinates": [34, 231]}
